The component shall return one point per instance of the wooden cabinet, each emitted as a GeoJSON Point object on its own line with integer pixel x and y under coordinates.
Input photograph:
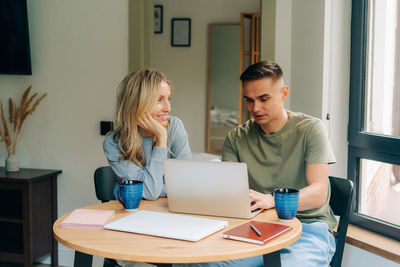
{"type": "Point", "coordinates": [28, 209]}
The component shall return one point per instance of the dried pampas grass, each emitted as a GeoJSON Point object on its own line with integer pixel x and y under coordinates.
{"type": "Point", "coordinates": [16, 117]}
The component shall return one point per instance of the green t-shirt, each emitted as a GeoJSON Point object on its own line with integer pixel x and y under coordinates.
{"type": "Point", "coordinates": [280, 159]}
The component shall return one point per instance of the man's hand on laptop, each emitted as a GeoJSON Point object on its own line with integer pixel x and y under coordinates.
{"type": "Point", "coordinates": [261, 201]}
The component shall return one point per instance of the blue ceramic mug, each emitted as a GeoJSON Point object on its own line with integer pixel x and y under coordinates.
{"type": "Point", "coordinates": [129, 193]}
{"type": "Point", "coordinates": [286, 203]}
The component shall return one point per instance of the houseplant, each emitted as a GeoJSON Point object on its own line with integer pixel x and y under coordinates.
{"type": "Point", "coordinates": [9, 132]}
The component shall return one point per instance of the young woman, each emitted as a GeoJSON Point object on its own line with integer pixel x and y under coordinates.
{"type": "Point", "coordinates": [144, 134]}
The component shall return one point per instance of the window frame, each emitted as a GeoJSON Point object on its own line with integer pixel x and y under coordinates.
{"type": "Point", "coordinates": [363, 144]}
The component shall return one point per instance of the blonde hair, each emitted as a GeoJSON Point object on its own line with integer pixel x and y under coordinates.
{"type": "Point", "coordinates": [136, 97]}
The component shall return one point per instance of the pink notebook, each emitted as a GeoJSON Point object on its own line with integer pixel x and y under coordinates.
{"type": "Point", "coordinates": [87, 218]}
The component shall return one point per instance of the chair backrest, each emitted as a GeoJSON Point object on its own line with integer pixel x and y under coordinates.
{"type": "Point", "coordinates": [104, 181]}
{"type": "Point", "coordinates": [340, 202]}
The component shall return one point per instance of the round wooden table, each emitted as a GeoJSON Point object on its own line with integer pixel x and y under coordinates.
{"type": "Point", "coordinates": [143, 248]}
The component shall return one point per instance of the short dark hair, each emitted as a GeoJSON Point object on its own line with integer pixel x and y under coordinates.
{"type": "Point", "coordinates": [260, 70]}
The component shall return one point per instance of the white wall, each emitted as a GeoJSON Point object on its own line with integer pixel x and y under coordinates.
{"type": "Point", "coordinates": [186, 67]}
{"type": "Point", "coordinates": [307, 57]}
{"type": "Point", "coordinates": [283, 42]}
{"type": "Point", "coordinates": [267, 27]}
{"type": "Point", "coordinates": [337, 79]}
{"type": "Point", "coordinates": [79, 54]}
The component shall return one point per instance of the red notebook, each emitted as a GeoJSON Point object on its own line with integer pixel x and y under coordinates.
{"type": "Point", "coordinates": [245, 233]}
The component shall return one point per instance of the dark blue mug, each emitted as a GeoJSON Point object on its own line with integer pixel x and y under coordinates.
{"type": "Point", "coordinates": [129, 194]}
{"type": "Point", "coordinates": [286, 203]}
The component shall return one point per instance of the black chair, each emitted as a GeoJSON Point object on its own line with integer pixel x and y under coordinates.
{"type": "Point", "coordinates": [104, 181]}
{"type": "Point", "coordinates": [340, 202]}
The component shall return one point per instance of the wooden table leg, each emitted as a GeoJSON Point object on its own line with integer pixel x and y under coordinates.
{"type": "Point", "coordinates": [82, 260]}
{"type": "Point", "coordinates": [272, 259]}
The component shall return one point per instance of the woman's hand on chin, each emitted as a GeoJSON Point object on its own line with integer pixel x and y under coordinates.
{"type": "Point", "coordinates": [154, 128]}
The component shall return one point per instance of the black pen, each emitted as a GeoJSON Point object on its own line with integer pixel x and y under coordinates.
{"type": "Point", "coordinates": [255, 229]}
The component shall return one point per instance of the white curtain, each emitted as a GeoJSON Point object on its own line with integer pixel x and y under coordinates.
{"type": "Point", "coordinates": [140, 33]}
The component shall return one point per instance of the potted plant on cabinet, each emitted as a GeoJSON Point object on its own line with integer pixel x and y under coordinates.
{"type": "Point", "coordinates": [17, 115]}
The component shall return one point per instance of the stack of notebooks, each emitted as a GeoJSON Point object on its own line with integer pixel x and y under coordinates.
{"type": "Point", "coordinates": [260, 233]}
{"type": "Point", "coordinates": [87, 218]}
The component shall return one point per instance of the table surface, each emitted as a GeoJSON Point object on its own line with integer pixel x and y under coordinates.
{"type": "Point", "coordinates": [143, 248]}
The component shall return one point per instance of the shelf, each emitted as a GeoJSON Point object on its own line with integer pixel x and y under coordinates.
{"type": "Point", "coordinates": [10, 259]}
{"type": "Point", "coordinates": [11, 237]}
{"type": "Point", "coordinates": [13, 211]}
{"type": "Point", "coordinates": [374, 243]}
{"type": "Point", "coordinates": [10, 264]}
{"type": "Point", "coordinates": [10, 220]}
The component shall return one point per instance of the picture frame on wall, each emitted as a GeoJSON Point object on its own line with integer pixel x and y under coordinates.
{"type": "Point", "coordinates": [158, 19]}
{"type": "Point", "coordinates": [181, 31]}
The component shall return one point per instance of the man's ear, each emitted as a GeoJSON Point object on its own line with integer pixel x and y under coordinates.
{"type": "Point", "coordinates": [285, 92]}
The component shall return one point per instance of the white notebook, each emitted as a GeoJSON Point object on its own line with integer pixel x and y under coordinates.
{"type": "Point", "coordinates": [168, 225]}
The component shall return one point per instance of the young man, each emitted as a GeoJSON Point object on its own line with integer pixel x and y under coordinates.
{"type": "Point", "coordinates": [285, 149]}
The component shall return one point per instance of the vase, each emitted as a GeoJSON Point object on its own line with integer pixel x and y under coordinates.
{"type": "Point", "coordinates": [12, 163]}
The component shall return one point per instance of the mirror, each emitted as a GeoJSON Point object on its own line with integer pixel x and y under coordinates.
{"type": "Point", "coordinates": [231, 48]}
{"type": "Point", "coordinates": [222, 84]}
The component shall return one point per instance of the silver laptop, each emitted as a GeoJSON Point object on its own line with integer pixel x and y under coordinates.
{"type": "Point", "coordinates": [209, 188]}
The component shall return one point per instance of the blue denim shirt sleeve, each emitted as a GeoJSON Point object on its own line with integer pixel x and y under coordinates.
{"type": "Point", "coordinates": [152, 172]}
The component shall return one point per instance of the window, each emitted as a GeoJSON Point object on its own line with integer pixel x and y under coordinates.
{"type": "Point", "coordinates": [374, 122]}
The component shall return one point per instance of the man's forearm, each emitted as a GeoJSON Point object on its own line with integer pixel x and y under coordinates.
{"type": "Point", "coordinates": [312, 196]}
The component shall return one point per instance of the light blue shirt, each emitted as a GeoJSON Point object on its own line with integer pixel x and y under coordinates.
{"type": "Point", "coordinates": [152, 172]}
